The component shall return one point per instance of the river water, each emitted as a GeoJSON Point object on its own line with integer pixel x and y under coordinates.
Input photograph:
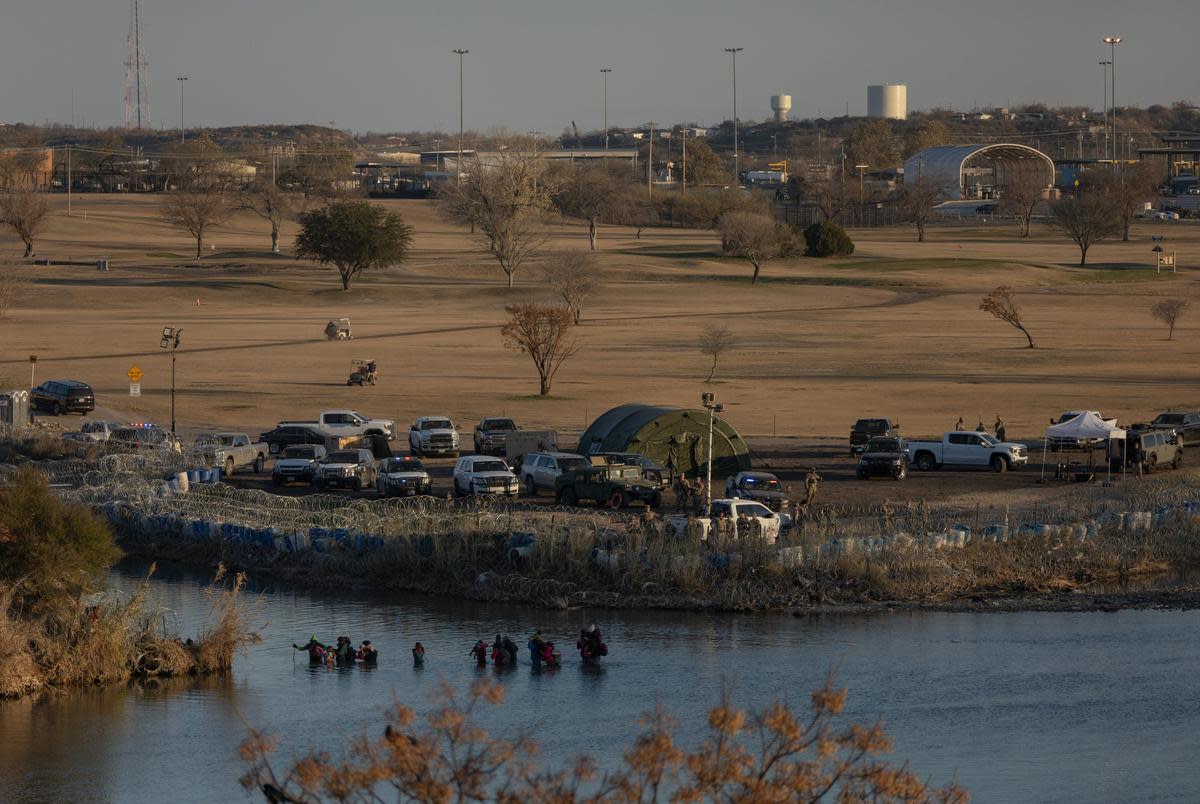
{"type": "Point", "coordinates": [1020, 707]}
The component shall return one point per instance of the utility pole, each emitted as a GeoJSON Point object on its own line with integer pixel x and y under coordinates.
{"type": "Point", "coordinates": [170, 340]}
{"type": "Point", "coordinates": [733, 51]}
{"type": "Point", "coordinates": [458, 165]}
{"type": "Point", "coordinates": [68, 181]}
{"type": "Point", "coordinates": [1112, 42]}
{"type": "Point", "coordinates": [683, 162]}
{"type": "Point", "coordinates": [713, 407]}
{"type": "Point", "coordinates": [182, 130]}
{"type": "Point", "coordinates": [606, 71]}
{"type": "Point", "coordinates": [1104, 65]}
{"type": "Point", "coordinates": [650, 165]}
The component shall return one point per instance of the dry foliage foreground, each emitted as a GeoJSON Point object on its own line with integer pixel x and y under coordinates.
{"type": "Point", "coordinates": [775, 755]}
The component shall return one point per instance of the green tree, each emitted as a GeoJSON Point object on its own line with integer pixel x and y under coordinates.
{"type": "Point", "coordinates": [47, 546]}
{"type": "Point", "coordinates": [827, 239]}
{"type": "Point", "coordinates": [871, 143]}
{"type": "Point", "coordinates": [354, 236]}
{"type": "Point", "coordinates": [929, 134]}
{"type": "Point", "coordinates": [703, 164]}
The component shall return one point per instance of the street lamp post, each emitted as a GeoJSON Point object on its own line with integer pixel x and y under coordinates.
{"type": "Point", "coordinates": [733, 51]}
{"type": "Point", "coordinates": [183, 136]}
{"type": "Point", "coordinates": [713, 407]}
{"type": "Point", "coordinates": [1104, 65]}
{"type": "Point", "coordinates": [458, 164]}
{"type": "Point", "coordinates": [683, 161]}
{"type": "Point", "coordinates": [861, 169]}
{"type": "Point", "coordinates": [170, 340]}
{"type": "Point", "coordinates": [1112, 42]}
{"type": "Point", "coordinates": [606, 71]}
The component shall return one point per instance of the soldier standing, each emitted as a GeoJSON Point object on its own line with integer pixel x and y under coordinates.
{"type": "Point", "coordinates": [682, 492]}
{"type": "Point", "coordinates": [960, 426]}
{"type": "Point", "coordinates": [810, 487]}
{"type": "Point", "coordinates": [999, 428]}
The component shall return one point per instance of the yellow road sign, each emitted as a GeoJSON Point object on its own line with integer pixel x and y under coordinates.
{"type": "Point", "coordinates": [135, 374]}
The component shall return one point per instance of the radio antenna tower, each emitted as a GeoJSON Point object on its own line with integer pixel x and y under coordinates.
{"type": "Point", "coordinates": [137, 100]}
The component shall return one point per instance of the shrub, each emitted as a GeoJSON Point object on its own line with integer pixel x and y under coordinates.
{"type": "Point", "coordinates": [827, 239]}
{"type": "Point", "coordinates": [49, 546]}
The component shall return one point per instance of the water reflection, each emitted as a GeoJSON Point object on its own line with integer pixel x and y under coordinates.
{"type": "Point", "coordinates": [1022, 706]}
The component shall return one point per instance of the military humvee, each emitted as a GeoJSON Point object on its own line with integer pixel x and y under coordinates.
{"type": "Point", "coordinates": [613, 485]}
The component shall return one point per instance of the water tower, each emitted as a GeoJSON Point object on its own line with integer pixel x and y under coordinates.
{"type": "Point", "coordinates": [781, 105]}
{"type": "Point", "coordinates": [889, 101]}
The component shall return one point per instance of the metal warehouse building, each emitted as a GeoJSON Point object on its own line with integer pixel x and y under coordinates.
{"type": "Point", "coordinates": [967, 171]}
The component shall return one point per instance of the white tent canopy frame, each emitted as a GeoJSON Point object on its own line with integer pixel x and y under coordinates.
{"type": "Point", "coordinates": [1087, 426]}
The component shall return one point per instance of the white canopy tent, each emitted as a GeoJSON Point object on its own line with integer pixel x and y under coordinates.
{"type": "Point", "coordinates": [1085, 427]}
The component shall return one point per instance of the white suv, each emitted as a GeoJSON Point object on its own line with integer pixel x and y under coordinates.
{"type": "Point", "coordinates": [433, 435]}
{"type": "Point", "coordinates": [539, 470]}
{"type": "Point", "coordinates": [480, 475]}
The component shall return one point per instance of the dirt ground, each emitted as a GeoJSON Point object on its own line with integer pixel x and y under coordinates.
{"type": "Point", "coordinates": [893, 331]}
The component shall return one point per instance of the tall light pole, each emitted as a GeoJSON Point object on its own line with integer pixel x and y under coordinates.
{"type": "Point", "coordinates": [733, 51]}
{"type": "Point", "coordinates": [683, 161]}
{"type": "Point", "coordinates": [713, 407]}
{"type": "Point", "coordinates": [170, 340]}
{"type": "Point", "coordinates": [860, 169]}
{"type": "Point", "coordinates": [606, 71]}
{"type": "Point", "coordinates": [182, 135]}
{"type": "Point", "coordinates": [1112, 42]}
{"type": "Point", "coordinates": [1104, 65]}
{"type": "Point", "coordinates": [458, 164]}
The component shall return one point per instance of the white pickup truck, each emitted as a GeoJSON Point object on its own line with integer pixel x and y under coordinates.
{"type": "Point", "coordinates": [232, 451]}
{"type": "Point", "coordinates": [967, 449]}
{"type": "Point", "coordinates": [340, 424]}
{"type": "Point", "coordinates": [769, 522]}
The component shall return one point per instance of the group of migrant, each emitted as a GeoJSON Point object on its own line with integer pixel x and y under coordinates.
{"type": "Point", "coordinates": [344, 653]}
{"type": "Point", "coordinates": [541, 652]}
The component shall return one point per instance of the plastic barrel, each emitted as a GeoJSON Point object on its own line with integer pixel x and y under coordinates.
{"type": "Point", "coordinates": [181, 481]}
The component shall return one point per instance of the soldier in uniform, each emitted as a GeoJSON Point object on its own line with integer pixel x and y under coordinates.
{"type": "Point", "coordinates": [999, 428]}
{"type": "Point", "coordinates": [683, 490]}
{"type": "Point", "coordinates": [810, 487]}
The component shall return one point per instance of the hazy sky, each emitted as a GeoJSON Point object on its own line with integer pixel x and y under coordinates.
{"type": "Point", "coordinates": [535, 64]}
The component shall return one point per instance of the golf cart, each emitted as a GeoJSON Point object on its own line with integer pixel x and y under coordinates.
{"type": "Point", "coordinates": [362, 372]}
{"type": "Point", "coordinates": [338, 330]}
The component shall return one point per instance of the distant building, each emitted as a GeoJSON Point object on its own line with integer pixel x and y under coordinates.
{"type": "Point", "coordinates": [977, 171]}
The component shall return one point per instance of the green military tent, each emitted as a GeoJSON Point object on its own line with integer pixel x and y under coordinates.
{"type": "Point", "coordinates": [676, 438]}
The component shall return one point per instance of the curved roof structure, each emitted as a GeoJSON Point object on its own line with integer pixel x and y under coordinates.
{"type": "Point", "coordinates": [673, 437]}
{"type": "Point", "coordinates": [946, 165]}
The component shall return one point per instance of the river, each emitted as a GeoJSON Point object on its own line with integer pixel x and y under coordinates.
{"type": "Point", "coordinates": [1020, 707]}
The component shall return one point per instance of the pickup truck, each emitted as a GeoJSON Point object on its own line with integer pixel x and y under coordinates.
{"type": "Point", "coordinates": [967, 449]}
{"type": "Point", "coordinates": [96, 431]}
{"type": "Point", "coordinates": [232, 451]}
{"type": "Point", "coordinates": [340, 424]}
{"type": "Point", "coordinates": [769, 522]}
{"type": "Point", "coordinates": [433, 435]}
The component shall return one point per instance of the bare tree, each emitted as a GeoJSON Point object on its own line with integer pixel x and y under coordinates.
{"type": "Point", "coordinates": [196, 212]}
{"type": "Point", "coordinates": [11, 283]}
{"type": "Point", "coordinates": [543, 332]}
{"type": "Point", "coordinates": [1127, 188]}
{"type": "Point", "coordinates": [715, 342]}
{"type": "Point", "coordinates": [753, 236]}
{"type": "Point", "coordinates": [592, 194]}
{"type": "Point", "coordinates": [1021, 196]}
{"type": "Point", "coordinates": [265, 199]}
{"type": "Point", "coordinates": [827, 195]}
{"type": "Point", "coordinates": [1002, 306]}
{"type": "Point", "coordinates": [918, 200]}
{"type": "Point", "coordinates": [572, 275]}
{"type": "Point", "coordinates": [1168, 312]}
{"type": "Point", "coordinates": [25, 210]}
{"type": "Point", "coordinates": [505, 198]}
{"type": "Point", "coordinates": [1086, 220]}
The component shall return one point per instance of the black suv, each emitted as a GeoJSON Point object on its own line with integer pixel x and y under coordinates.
{"type": "Point", "coordinates": [866, 429]}
{"type": "Point", "coordinates": [63, 396]}
{"type": "Point", "coordinates": [290, 435]}
{"type": "Point", "coordinates": [1187, 424]}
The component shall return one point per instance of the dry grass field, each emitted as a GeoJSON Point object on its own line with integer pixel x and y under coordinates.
{"type": "Point", "coordinates": [894, 330]}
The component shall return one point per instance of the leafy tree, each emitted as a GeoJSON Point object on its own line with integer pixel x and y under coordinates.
{"type": "Point", "coordinates": [704, 166]}
{"type": "Point", "coordinates": [47, 546]}
{"type": "Point", "coordinates": [827, 239]}
{"type": "Point", "coordinates": [929, 134]}
{"type": "Point", "coordinates": [1002, 305]}
{"type": "Point", "coordinates": [1168, 312]}
{"type": "Point", "coordinates": [714, 342]}
{"type": "Point", "coordinates": [755, 237]}
{"type": "Point", "coordinates": [572, 275]}
{"type": "Point", "coordinates": [1087, 220]}
{"type": "Point", "coordinates": [24, 210]}
{"type": "Point", "coordinates": [871, 143]}
{"type": "Point", "coordinates": [353, 236]}
{"type": "Point", "coordinates": [543, 332]}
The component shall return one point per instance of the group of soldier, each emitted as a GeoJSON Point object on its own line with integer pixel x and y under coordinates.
{"type": "Point", "coordinates": [998, 427]}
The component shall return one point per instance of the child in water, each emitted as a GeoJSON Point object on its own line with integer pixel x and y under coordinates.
{"type": "Point", "coordinates": [418, 653]}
